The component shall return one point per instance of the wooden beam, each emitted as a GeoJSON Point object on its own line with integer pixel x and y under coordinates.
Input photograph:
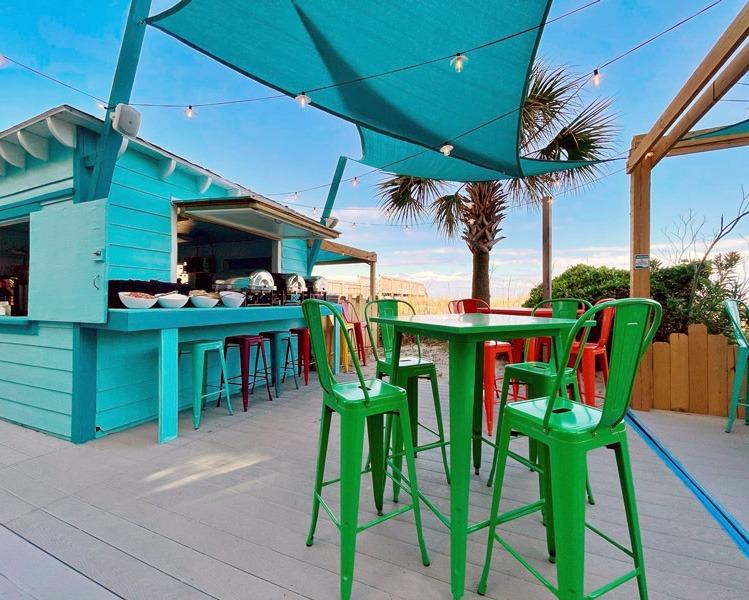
{"type": "Point", "coordinates": [731, 39]}
{"type": "Point", "coordinates": [373, 280]}
{"type": "Point", "coordinates": [546, 247]}
{"type": "Point", "coordinates": [639, 278]}
{"type": "Point", "coordinates": [359, 255]}
{"type": "Point", "coordinates": [728, 77]}
{"type": "Point", "coordinates": [719, 142]}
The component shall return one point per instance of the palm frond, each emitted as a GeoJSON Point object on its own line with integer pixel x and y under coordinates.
{"type": "Point", "coordinates": [406, 199]}
{"type": "Point", "coordinates": [448, 214]}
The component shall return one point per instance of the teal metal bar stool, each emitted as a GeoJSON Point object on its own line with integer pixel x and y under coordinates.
{"type": "Point", "coordinates": [735, 310]}
{"type": "Point", "coordinates": [199, 355]}
{"type": "Point", "coordinates": [410, 370]}
{"type": "Point", "coordinates": [359, 403]}
{"type": "Point", "coordinates": [278, 339]}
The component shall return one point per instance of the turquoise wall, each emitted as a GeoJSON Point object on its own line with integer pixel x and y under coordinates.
{"type": "Point", "coordinates": [36, 359]}
{"type": "Point", "coordinates": [140, 216]}
{"type": "Point", "coordinates": [294, 256]}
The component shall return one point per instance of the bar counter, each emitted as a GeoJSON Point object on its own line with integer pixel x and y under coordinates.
{"type": "Point", "coordinates": [138, 375]}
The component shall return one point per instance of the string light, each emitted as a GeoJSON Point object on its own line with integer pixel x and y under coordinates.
{"type": "Point", "coordinates": [303, 99]}
{"type": "Point", "coordinates": [471, 221]}
{"type": "Point", "coordinates": [100, 105]}
{"type": "Point", "coordinates": [353, 225]}
{"type": "Point", "coordinates": [314, 210]}
{"type": "Point", "coordinates": [3, 61]}
{"type": "Point", "coordinates": [354, 182]}
{"type": "Point", "coordinates": [458, 62]}
{"type": "Point", "coordinates": [189, 112]}
{"type": "Point", "coordinates": [596, 78]}
{"type": "Point", "coordinates": [406, 227]}
{"type": "Point", "coordinates": [296, 196]}
{"type": "Point", "coordinates": [447, 149]}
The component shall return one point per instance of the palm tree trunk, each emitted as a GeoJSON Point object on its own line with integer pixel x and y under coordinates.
{"type": "Point", "coordinates": [480, 276]}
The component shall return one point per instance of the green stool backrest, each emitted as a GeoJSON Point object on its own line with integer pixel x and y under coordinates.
{"type": "Point", "coordinates": [386, 308]}
{"type": "Point", "coordinates": [734, 309]}
{"type": "Point", "coordinates": [635, 322]}
{"type": "Point", "coordinates": [561, 308]}
{"type": "Point", "coordinates": [312, 310]}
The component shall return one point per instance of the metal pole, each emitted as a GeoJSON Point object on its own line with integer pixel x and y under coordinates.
{"type": "Point", "coordinates": [314, 250]}
{"type": "Point", "coordinates": [546, 245]}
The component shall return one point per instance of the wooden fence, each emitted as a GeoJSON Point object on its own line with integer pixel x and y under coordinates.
{"type": "Point", "coordinates": [692, 372]}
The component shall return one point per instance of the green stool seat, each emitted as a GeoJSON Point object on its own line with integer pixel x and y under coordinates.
{"type": "Point", "coordinates": [540, 377]}
{"type": "Point", "coordinates": [361, 404]}
{"type": "Point", "coordinates": [565, 431]}
{"type": "Point", "coordinates": [410, 370]}
{"type": "Point", "coordinates": [199, 351]}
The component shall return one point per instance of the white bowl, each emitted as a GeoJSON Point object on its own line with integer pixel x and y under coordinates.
{"type": "Point", "coordinates": [203, 301]}
{"type": "Point", "coordinates": [173, 301]}
{"type": "Point", "coordinates": [232, 299]}
{"type": "Point", "coordinates": [135, 302]}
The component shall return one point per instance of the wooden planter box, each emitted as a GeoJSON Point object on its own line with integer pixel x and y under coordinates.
{"type": "Point", "coordinates": [692, 372]}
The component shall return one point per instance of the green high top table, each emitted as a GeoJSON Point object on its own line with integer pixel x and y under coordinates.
{"type": "Point", "coordinates": [466, 335]}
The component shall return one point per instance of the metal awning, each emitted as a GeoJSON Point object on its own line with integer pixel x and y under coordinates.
{"type": "Point", "coordinates": [256, 216]}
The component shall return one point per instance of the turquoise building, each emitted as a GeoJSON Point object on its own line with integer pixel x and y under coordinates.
{"type": "Point", "coordinates": [71, 365]}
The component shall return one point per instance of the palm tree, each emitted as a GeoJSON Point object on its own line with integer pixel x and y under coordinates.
{"type": "Point", "coordinates": [555, 125]}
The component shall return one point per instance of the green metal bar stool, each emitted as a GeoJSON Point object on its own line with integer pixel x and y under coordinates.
{"type": "Point", "coordinates": [199, 355]}
{"type": "Point", "coordinates": [410, 370]}
{"type": "Point", "coordinates": [565, 431]}
{"type": "Point", "coordinates": [359, 403]}
{"type": "Point", "coordinates": [539, 377]}
{"type": "Point", "coordinates": [736, 309]}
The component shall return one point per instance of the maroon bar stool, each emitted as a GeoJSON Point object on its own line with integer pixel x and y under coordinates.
{"type": "Point", "coordinates": [303, 351]}
{"type": "Point", "coordinates": [245, 344]}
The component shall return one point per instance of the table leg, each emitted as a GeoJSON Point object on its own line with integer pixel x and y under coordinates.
{"type": "Point", "coordinates": [168, 385]}
{"type": "Point", "coordinates": [478, 405]}
{"type": "Point", "coordinates": [462, 378]}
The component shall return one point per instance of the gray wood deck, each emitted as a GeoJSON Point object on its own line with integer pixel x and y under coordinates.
{"type": "Point", "coordinates": [222, 513]}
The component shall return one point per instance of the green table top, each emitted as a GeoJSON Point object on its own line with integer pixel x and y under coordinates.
{"type": "Point", "coordinates": [476, 325]}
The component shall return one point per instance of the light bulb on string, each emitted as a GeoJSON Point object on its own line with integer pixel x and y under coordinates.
{"type": "Point", "coordinates": [596, 78]}
{"type": "Point", "coordinates": [4, 62]}
{"type": "Point", "coordinates": [446, 149]}
{"type": "Point", "coordinates": [458, 62]}
{"type": "Point", "coordinates": [471, 221]}
{"type": "Point", "coordinates": [354, 182]}
{"type": "Point", "coordinates": [303, 99]}
{"type": "Point", "coordinates": [406, 227]}
{"type": "Point", "coordinates": [100, 105]}
{"type": "Point", "coordinates": [295, 197]}
{"type": "Point", "coordinates": [314, 210]}
{"type": "Point", "coordinates": [189, 112]}
{"type": "Point", "coordinates": [353, 225]}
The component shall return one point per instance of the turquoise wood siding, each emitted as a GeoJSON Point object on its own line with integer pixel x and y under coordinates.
{"type": "Point", "coordinates": [36, 376]}
{"type": "Point", "coordinates": [294, 256]}
{"type": "Point", "coordinates": [140, 217]}
{"type": "Point", "coordinates": [36, 359]}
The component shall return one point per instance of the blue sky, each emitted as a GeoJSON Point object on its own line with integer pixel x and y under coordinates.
{"type": "Point", "coordinates": [275, 147]}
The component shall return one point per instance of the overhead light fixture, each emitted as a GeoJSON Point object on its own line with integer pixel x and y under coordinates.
{"type": "Point", "coordinates": [596, 78]}
{"type": "Point", "coordinates": [458, 62]}
{"type": "Point", "coordinates": [303, 99]}
{"type": "Point", "coordinates": [189, 113]}
{"type": "Point", "coordinates": [447, 149]}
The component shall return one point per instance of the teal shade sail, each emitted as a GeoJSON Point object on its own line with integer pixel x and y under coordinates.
{"type": "Point", "coordinates": [385, 66]}
{"type": "Point", "coordinates": [735, 129]}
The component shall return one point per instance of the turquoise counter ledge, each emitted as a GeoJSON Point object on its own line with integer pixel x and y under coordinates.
{"type": "Point", "coordinates": [136, 361]}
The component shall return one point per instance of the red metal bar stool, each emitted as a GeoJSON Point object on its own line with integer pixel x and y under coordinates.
{"type": "Point", "coordinates": [304, 360]}
{"type": "Point", "coordinates": [593, 351]}
{"type": "Point", "coordinates": [492, 350]}
{"type": "Point", "coordinates": [245, 343]}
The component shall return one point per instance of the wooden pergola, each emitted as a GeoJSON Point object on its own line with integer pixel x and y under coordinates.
{"type": "Point", "coordinates": [725, 64]}
{"type": "Point", "coordinates": [671, 135]}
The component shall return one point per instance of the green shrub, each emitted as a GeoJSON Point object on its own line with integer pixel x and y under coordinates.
{"type": "Point", "coordinates": [688, 292]}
